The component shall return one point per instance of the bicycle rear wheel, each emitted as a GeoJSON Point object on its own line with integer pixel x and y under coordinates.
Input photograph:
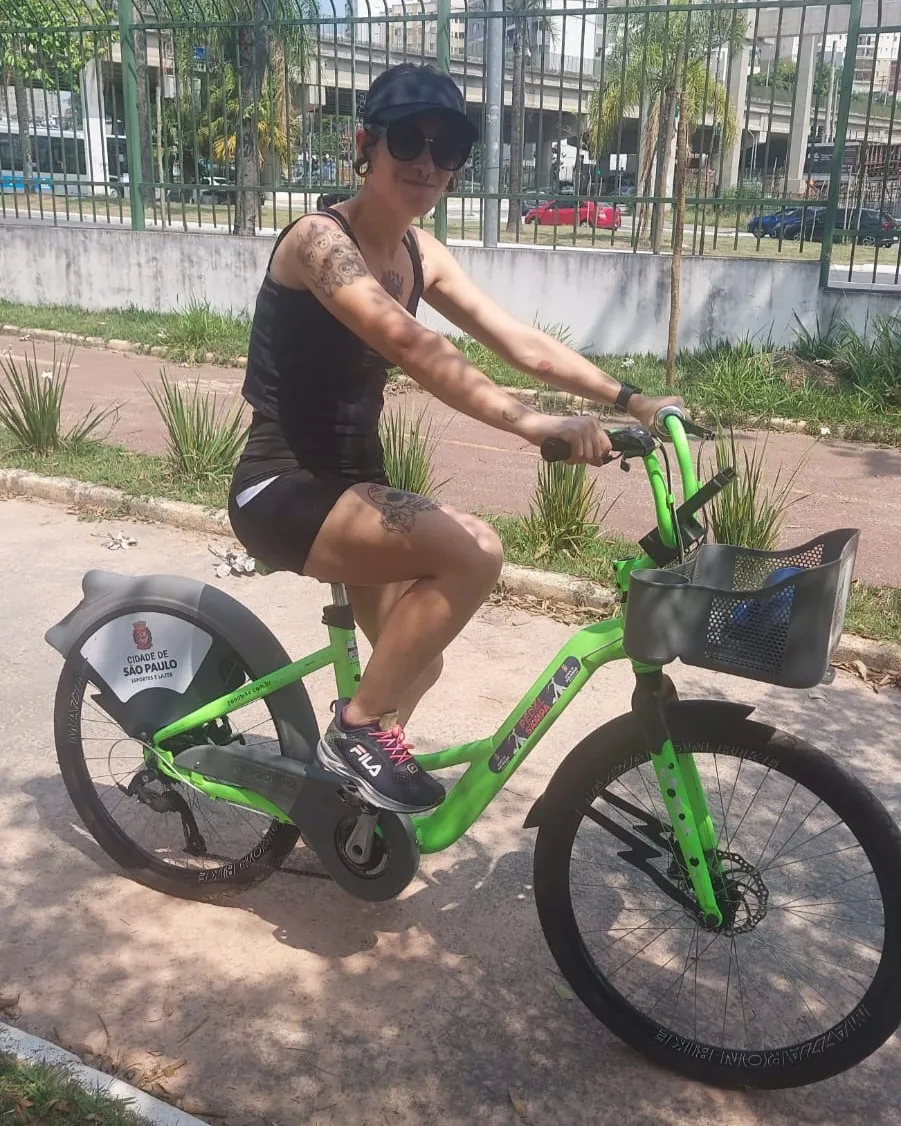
{"type": "Point", "coordinates": [803, 979]}
{"type": "Point", "coordinates": [166, 835]}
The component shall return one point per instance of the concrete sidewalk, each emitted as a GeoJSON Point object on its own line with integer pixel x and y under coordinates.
{"type": "Point", "coordinates": [842, 484]}
{"type": "Point", "coordinates": [296, 1004]}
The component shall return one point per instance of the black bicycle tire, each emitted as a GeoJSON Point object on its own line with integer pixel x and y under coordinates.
{"type": "Point", "coordinates": [870, 823]}
{"type": "Point", "coordinates": [196, 884]}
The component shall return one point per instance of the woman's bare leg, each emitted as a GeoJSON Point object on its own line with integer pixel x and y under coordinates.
{"type": "Point", "coordinates": [375, 536]}
{"type": "Point", "coordinates": [372, 605]}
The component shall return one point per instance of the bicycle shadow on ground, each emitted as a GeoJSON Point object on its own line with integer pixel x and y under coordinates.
{"type": "Point", "coordinates": [295, 1003]}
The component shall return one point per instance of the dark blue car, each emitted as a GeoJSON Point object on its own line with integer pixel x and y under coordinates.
{"type": "Point", "coordinates": [771, 225]}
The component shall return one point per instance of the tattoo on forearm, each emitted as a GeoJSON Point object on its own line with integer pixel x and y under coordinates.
{"type": "Point", "coordinates": [393, 283]}
{"type": "Point", "coordinates": [330, 256]}
{"type": "Point", "coordinates": [399, 508]}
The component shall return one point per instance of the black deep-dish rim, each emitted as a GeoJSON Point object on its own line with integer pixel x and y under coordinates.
{"type": "Point", "coordinates": [595, 763]}
{"type": "Point", "coordinates": [276, 841]}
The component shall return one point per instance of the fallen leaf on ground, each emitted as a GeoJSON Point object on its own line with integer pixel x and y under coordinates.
{"type": "Point", "coordinates": [517, 1102]}
{"type": "Point", "coordinates": [8, 1001]}
{"type": "Point", "coordinates": [563, 991]}
{"type": "Point", "coordinates": [62, 1106]}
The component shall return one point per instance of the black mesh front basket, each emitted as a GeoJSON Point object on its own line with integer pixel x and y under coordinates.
{"type": "Point", "coordinates": [730, 610]}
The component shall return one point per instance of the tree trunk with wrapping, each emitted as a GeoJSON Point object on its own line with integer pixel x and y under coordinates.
{"type": "Point", "coordinates": [24, 116]}
{"type": "Point", "coordinates": [253, 58]}
{"type": "Point", "coordinates": [679, 191]}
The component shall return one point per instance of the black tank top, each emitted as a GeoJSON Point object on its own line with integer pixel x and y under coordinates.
{"type": "Point", "coordinates": [316, 388]}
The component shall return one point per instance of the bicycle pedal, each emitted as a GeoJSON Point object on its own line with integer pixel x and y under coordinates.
{"type": "Point", "coordinates": [350, 795]}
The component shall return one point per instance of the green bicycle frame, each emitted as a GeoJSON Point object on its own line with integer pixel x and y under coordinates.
{"type": "Point", "coordinates": [493, 760]}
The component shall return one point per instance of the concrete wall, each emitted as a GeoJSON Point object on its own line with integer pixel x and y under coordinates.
{"type": "Point", "coordinates": [613, 302]}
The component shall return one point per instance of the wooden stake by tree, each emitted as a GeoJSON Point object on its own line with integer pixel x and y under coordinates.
{"type": "Point", "coordinates": [681, 177]}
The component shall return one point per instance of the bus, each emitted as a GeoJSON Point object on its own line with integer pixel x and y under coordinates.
{"type": "Point", "coordinates": [60, 162]}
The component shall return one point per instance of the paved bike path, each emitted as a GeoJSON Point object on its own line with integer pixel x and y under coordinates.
{"type": "Point", "coordinates": [841, 484]}
{"type": "Point", "coordinates": [296, 1004]}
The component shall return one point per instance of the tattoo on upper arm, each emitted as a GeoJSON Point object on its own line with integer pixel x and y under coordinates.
{"type": "Point", "coordinates": [330, 256]}
{"type": "Point", "coordinates": [393, 283]}
{"type": "Point", "coordinates": [546, 367]}
{"type": "Point", "coordinates": [510, 414]}
{"type": "Point", "coordinates": [399, 508]}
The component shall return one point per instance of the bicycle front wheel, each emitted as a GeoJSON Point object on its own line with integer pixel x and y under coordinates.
{"type": "Point", "coordinates": [803, 978]}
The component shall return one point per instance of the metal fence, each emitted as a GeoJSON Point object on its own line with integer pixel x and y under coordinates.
{"type": "Point", "coordinates": [238, 115]}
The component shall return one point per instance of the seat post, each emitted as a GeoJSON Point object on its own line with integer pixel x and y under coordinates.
{"type": "Point", "coordinates": [339, 595]}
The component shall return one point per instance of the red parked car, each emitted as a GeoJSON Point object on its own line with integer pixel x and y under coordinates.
{"type": "Point", "coordinates": [561, 212]}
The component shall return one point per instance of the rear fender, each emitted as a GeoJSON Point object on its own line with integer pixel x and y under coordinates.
{"type": "Point", "coordinates": [106, 629]}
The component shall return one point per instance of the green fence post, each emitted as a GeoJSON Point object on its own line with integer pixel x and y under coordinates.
{"type": "Point", "coordinates": [130, 98]}
{"type": "Point", "coordinates": [444, 14]}
{"type": "Point", "coordinates": [841, 134]}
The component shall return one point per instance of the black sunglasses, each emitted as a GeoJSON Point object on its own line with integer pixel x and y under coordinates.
{"type": "Point", "coordinates": [406, 141]}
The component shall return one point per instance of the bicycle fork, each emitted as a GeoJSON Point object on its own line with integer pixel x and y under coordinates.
{"type": "Point", "coordinates": [682, 792]}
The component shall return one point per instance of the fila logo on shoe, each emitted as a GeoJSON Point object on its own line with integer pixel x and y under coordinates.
{"type": "Point", "coordinates": [373, 769]}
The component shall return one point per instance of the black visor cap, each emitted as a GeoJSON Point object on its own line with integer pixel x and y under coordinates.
{"type": "Point", "coordinates": [410, 92]}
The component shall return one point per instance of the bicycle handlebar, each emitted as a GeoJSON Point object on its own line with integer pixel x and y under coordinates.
{"type": "Point", "coordinates": [670, 423]}
{"type": "Point", "coordinates": [635, 441]}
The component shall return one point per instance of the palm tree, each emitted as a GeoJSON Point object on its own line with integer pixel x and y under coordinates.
{"type": "Point", "coordinates": [220, 137]}
{"type": "Point", "coordinates": [245, 98]}
{"type": "Point", "coordinates": [525, 21]}
{"type": "Point", "coordinates": [656, 62]}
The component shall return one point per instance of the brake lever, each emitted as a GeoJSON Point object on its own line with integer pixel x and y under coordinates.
{"type": "Point", "coordinates": [698, 431]}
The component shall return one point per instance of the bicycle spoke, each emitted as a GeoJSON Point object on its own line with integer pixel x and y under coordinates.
{"type": "Point", "coordinates": [810, 859]}
{"type": "Point", "coordinates": [229, 830]}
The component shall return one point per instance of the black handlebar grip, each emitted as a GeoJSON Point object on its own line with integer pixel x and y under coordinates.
{"type": "Point", "coordinates": [556, 449]}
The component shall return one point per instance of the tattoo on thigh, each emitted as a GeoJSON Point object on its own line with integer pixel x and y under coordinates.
{"type": "Point", "coordinates": [399, 508]}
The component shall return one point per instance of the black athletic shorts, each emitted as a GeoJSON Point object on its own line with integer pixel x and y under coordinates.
{"type": "Point", "coordinates": [277, 519]}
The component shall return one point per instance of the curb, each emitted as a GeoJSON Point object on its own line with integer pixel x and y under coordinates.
{"type": "Point", "coordinates": [32, 1049]}
{"type": "Point", "coordinates": [562, 400]}
{"type": "Point", "coordinates": [111, 345]}
{"type": "Point", "coordinates": [65, 490]}
{"type": "Point", "coordinates": [881, 656]}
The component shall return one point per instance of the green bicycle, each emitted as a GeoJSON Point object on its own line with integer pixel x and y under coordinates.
{"type": "Point", "coordinates": [721, 895]}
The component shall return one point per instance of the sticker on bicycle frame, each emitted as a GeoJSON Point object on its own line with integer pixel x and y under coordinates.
{"type": "Point", "coordinates": [534, 714]}
{"type": "Point", "coordinates": [146, 650]}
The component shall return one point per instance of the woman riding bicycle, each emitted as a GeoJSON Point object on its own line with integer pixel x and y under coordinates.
{"type": "Point", "coordinates": [336, 309]}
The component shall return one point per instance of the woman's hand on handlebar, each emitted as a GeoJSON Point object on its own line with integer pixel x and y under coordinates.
{"type": "Point", "coordinates": [644, 408]}
{"type": "Point", "coordinates": [583, 433]}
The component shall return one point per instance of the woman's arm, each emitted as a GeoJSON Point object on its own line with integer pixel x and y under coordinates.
{"type": "Point", "coordinates": [452, 293]}
{"type": "Point", "coordinates": [327, 262]}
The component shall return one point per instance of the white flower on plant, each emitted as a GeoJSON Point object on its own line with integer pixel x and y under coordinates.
{"type": "Point", "coordinates": [46, 375]}
{"type": "Point", "coordinates": [628, 362]}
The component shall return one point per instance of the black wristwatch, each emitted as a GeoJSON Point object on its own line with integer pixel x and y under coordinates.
{"type": "Point", "coordinates": [626, 392]}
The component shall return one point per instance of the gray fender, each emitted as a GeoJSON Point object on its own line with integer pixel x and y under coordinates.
{"type": "Point", "coordinates": [106, 594]}
{"type": "Point", "coordinates": [680, 716]}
